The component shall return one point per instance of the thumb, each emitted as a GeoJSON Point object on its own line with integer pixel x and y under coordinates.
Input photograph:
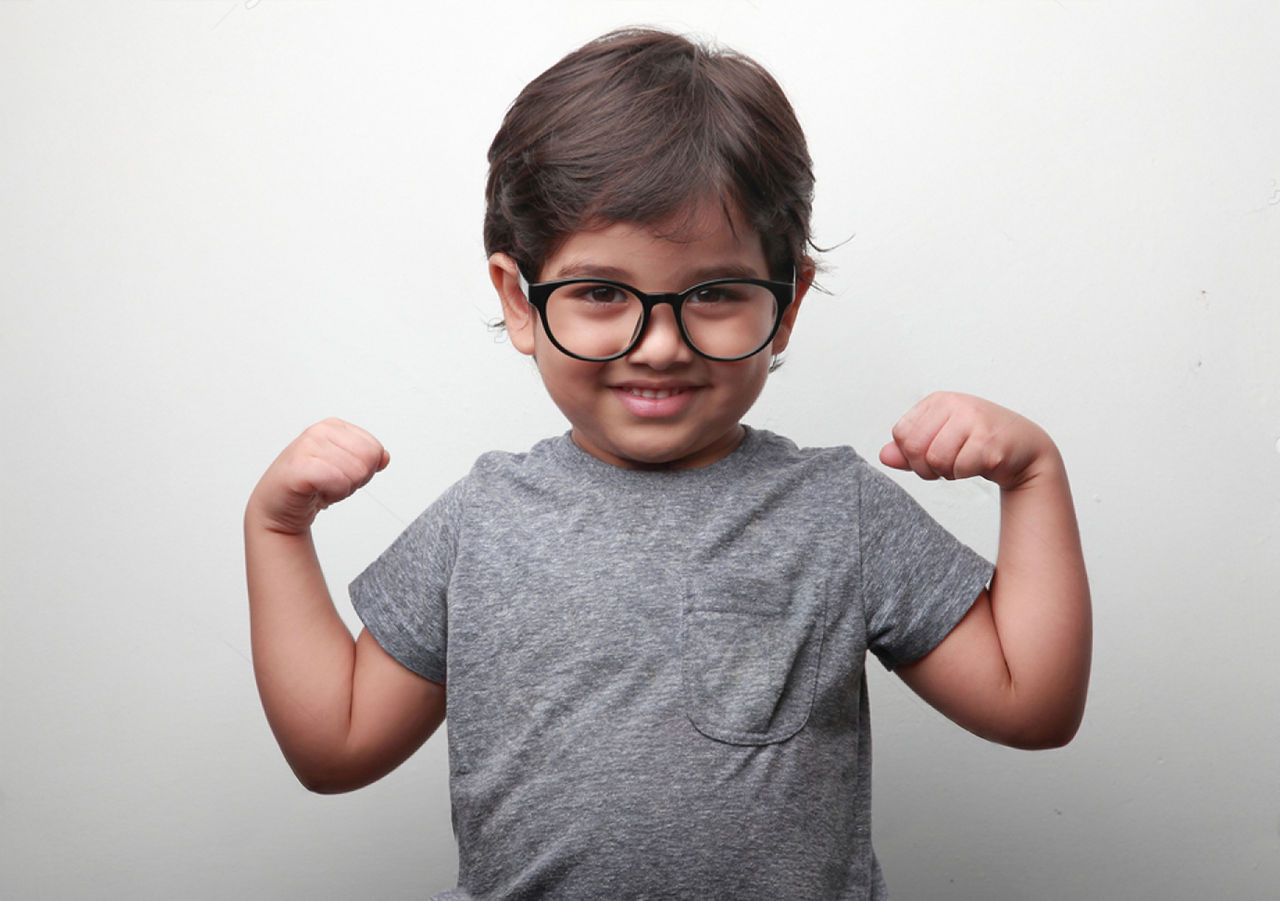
{"type": "Point", "coordinates": [891, 455]}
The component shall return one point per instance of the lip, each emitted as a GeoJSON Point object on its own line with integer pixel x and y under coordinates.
{"type": "Point", "coordinates": [655, 400]}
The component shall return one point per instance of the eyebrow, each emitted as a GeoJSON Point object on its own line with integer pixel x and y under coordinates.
{"type": "Point", "coordinates": [588, 269]}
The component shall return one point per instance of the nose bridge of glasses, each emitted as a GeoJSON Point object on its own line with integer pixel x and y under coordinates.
{"type": "Point", "coordinates": [653, 304]}
{"type": "Point", "coordinates": [652, 301]}
{"type": "Point", "coordinates": [659, 325]}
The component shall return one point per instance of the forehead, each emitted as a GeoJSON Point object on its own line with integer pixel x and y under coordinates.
{"type": "Point", "coordinates": [705, 241]}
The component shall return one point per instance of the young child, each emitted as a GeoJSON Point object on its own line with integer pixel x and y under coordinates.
{"type": "Point", "coordinates": [649, 633]}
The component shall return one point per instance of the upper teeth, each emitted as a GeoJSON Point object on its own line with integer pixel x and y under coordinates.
{"type": "Point", "coordinates": [653, 392]}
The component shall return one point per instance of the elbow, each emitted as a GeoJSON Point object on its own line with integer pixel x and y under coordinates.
{"type": "Point", "coordinates": [321, 785]}
{"type": "Point", "coordinates": [326, 778]}
{"type": "Point", "coordinates": [1060, 737]}
{"type": "Point", "coordinates": [1045, 720]}
{"type": "Point", "coordinates": [1042, 733]}
{"type": "Point", "coordinates": [328, 783]}
{"type": "Point", "coordinates": [316, 780]}
{"type": "Point", "coordinates": [1047, 740]}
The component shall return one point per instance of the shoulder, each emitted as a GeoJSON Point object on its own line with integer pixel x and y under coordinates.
{"type": "Point", "coordinates": [492, 473]}
{"type": "Point", "coordinates": [504, 484]}
{"type": "Point", "coordinates": [547, 461]}
{"type": "Point", "coordinates": [836, 475]}
{"type": "Point", "coordinates": [822, 484]}
{"type": "Point", "coordinates": [770, 451]}
{"type": "Point", "coordinates": [839, 462]}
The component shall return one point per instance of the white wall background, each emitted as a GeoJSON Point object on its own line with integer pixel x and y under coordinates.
{"type": "Point", "coordinates": [221, 220]}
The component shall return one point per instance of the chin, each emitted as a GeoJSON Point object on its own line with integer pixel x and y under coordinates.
{"type": "Point", "coordinates": [671, 454]}
{"type": "Point", "coordinates": [646, 458]}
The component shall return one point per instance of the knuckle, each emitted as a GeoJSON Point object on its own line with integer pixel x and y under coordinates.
{"type": "Point", "coordinates": [939, 399]}
{"type": "Point", "coordinates": [914, 445]}
{"type": "Point", "coordinates": [909, 450]}
{"type": "Point", "coordinates": [937, 459]}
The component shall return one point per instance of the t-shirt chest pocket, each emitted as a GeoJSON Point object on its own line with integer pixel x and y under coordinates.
{"type": "Point", "coordinates": [750, 651]}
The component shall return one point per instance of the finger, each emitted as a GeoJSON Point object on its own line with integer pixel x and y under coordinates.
{"type": "Point", "coordinates": [943, 454]}
{"type": "Point", "coordinates": [985, 450]}
{"type": "Point", "coordinates": [970, 461]}
{"type": "Point", "coordinates": [339, 459]}
{"type": "Point", "coordinates": [891, 456]}
{"type": "Point", "coordinates": [358, 443]}
{"type": "Point", "coordinates": [906, 452]}
{"type": "Point", "coordinates": [356, 465]}
{"type": "Point", "coordinates": [985, 455]}
{"type": "Point", "coordinates": [917, 460]}
{"type": "Point", "coordinates": [916, 432]}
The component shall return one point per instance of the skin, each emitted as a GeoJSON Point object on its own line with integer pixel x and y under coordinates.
{"type": "Point", "coordinates": [343, 712]}
{"type": "Point", "coordinates": [700, 421]}
{"type": "Point", "coordinates": [1015, 669]}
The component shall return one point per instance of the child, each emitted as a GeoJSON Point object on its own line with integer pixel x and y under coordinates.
{"type": "Point", "coordinates": [649, 633]}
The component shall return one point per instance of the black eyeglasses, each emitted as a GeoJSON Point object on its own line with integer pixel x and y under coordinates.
{"type": "Point", "coordinates": [724, 319]}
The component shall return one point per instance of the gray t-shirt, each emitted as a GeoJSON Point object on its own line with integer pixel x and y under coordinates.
{"type": "Point", "coordinates": [655, 679]}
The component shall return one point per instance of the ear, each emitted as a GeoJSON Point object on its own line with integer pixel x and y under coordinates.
{"type": "Point", "coordinates": [518, 316]}
{"type": "Point", "coordinates": [804, 279]}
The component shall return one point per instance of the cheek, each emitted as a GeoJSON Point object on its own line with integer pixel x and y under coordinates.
{"type": "Point", "coordinates": [564, 377]}
{"type": "Point", "coordinates": [749, 376]}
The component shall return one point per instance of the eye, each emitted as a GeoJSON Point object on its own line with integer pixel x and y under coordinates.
{"type": "Point", "coordinates": [718, 294]}
{"type": "Point", "coordinates": [605, 294]}
{"type": "Point", "coordinates": [601, 294]}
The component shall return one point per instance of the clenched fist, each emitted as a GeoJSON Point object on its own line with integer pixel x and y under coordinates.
{"type": "Point", "coordinates": [956, 436]}
{"type": "Point", "coordinates": [326, 464]}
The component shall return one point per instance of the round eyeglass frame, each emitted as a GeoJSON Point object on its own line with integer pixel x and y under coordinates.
{"type": "Point", "coordinates": [538, 293]}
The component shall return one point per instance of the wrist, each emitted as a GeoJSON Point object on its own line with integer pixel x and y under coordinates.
{"type": "Point", "coordinates": [1044, 464]}
{"type": "Point", "coordinates": [262, 516]}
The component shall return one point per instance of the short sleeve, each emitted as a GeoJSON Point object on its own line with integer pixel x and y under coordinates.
{"type": "Point", "coordinates": [917, 579]}
{"type": "Point", "coordinates": [402, 597]}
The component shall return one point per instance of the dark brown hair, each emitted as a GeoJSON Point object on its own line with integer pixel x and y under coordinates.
{"type": "Point", "coordinates": [638, 126]}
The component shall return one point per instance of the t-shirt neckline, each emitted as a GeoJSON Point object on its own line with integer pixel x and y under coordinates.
{"type": "Point", "coordinates": [568, 451]}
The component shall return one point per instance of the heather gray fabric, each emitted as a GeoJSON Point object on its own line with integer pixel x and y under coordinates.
{"type": "Point", "coordinates": [655, 679]}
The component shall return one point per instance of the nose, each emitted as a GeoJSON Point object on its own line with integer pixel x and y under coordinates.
{"type": "Point", "coordinates": [661, 345]}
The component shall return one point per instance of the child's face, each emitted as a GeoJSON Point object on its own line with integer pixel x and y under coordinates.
{"type": "Point", "coordinates": [661, 405]}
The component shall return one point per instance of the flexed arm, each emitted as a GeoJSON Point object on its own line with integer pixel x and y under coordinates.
{"type": "Point", "coordinates": [1016, 668]}
{"type": "Point", "coordinates": [344, 712]}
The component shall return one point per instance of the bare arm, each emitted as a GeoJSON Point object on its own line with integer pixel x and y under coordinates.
{"type": "Point", "coordinates": [1016, 668]}
{"type": "Point", "coordinates": [343, 711]}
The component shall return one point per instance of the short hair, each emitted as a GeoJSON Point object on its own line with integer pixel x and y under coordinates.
{"type": "Point", "coordinates": [638, 126]}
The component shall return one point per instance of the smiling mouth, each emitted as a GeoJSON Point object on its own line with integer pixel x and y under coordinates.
{"type": "Point", "coordinates": [654, 393]}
